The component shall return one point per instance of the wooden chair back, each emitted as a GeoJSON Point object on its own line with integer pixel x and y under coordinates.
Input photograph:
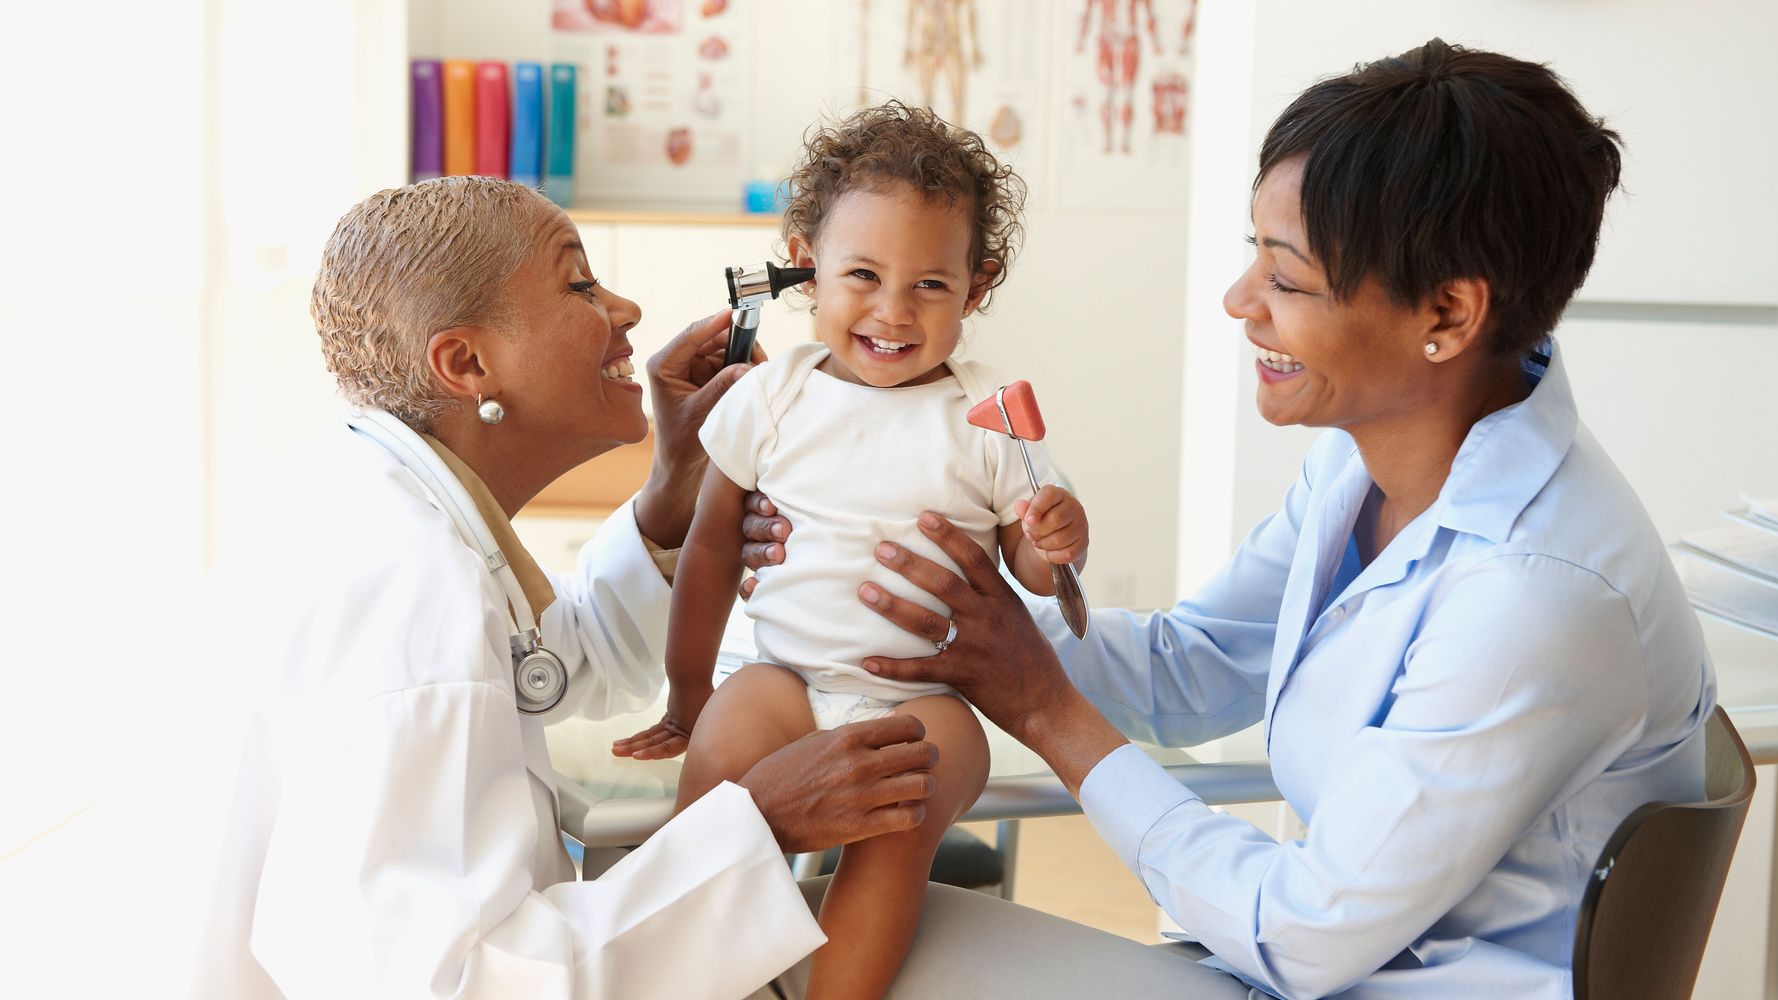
{"type": "Point", "coordinates": [1648, 908]}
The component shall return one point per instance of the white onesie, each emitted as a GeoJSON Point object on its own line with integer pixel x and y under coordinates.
{"type": "Point", "coordinates": [851, 466]}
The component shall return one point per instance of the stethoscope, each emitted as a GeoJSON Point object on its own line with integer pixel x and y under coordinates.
{"type": "Point", "coordinates": [538, 678]}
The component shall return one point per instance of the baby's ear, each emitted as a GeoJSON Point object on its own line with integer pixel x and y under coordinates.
{"type": "Point", "coordinates": [979, 284]}
{"type": "Point", "coordinates": [800, 252]}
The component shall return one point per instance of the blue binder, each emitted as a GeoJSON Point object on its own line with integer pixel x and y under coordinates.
{"type": "Point", "coordinates": [525, 166]}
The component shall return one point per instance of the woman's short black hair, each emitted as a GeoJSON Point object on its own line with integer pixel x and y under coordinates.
{"type": "Point", "coordinates": [1445, 163]}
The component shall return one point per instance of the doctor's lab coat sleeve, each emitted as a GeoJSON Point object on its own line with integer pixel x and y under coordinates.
{"type": "Point", "coordinates": [1197, 671]}
{"type": "Point", "coordinates": [400, 865]}
{"type": "Point", "coordinates": [609, 623]}
{"type": "Point", "coordinates": [1491, 729]}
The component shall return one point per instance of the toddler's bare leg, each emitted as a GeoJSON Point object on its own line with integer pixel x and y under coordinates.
{"type": "Point", "coordinates": [873, 905]}
{"type": "Point", "coordinates": [761, 708]}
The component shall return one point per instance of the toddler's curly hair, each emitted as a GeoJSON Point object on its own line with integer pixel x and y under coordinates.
{"type": "Point", "coordinates": [894, 143]}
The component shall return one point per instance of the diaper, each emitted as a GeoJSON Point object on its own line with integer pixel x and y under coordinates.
{"type": "Point", "coordinates": [835, 708]}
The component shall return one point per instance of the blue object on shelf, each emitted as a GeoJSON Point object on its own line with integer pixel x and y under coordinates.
{"type": "Point", "coordinates": [558, 181]}
{"type": "Point", "coordinates": [759, 196]}
{"type": "Point", "coordinates": [764, 196]}
{"type": "Point", "coordinates": [525, 165]}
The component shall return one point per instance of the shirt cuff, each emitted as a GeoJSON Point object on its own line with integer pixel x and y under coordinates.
{"type": "Point", "coordinates": [665, 560]}
{"type": "Point", "coordinates": [1125, 795]}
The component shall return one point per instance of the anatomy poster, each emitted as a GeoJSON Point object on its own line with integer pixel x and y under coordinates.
{"type": "Point", "coordinates": [663, 85]}
{"type": "Point", "coordinates": [1122, 128]}
{"type": "Point", "coordinates": [981, 64]}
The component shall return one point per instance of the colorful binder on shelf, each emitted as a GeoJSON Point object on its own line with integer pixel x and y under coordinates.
{"type": "Point", "coordinates": [427, 150]}
{"type": "Point", "coordinates": [459, 117]}
{"type": "Point", "coordinates": [493, 108]}
{"type": "Point", "coordinates": [558, 180]}
{"type": "Point", "coordinates": [526, 166]}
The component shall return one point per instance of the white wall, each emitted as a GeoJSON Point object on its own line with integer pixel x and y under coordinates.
{"type": "Point", "coordinates": [101, 323]}
{"type": "Point", "coordinates": [288, 159]}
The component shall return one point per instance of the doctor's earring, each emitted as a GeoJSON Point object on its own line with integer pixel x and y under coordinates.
{"type": "Point", "coordinates": [1431, 348]}
{"type": "Point", "coordinates": [490, 411]}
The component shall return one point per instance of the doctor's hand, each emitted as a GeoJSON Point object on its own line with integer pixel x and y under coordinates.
{"type": "Point", "coordinates": [840, 785]}
{"type": "Point", "coordinates": [999, 659]}
{"type": "Point", "coordinates": [669, 737]}
{"type": "Point", "coordinates": [763, 532]}
{"type": "Point", "coordinates": [685, 379]}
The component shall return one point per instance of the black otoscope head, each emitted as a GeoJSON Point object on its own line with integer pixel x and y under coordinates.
{"type": "Point", "coordinates": [788, 277]}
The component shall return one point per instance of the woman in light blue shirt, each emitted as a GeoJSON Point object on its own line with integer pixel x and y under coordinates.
{"type": "Point", "coordinates": [1469, 649]}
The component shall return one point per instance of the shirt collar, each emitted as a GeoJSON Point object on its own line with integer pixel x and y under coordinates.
{"type": "Point", "coordinates": [539, 593]}
{"type": "Point", "coordinates": [1510, 454]}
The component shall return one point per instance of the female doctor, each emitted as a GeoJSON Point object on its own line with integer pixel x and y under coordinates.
{"type": "Point", "coordinates": [392, 826]}
{"type": "Point", "coordinates": [1464, 637]}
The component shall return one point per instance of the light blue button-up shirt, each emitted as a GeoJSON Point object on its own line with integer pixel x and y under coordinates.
{"type": "Point", "coordinates": [1461, 726]}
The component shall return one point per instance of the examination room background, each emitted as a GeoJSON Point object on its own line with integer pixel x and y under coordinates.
{"type": "Point", "coordinates": [192, 155]}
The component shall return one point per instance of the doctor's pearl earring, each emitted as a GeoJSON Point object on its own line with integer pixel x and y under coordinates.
{"type": "Point", "coordinates": [491, 411]}
{"type": "Point", "coordinates": [1431, 348]}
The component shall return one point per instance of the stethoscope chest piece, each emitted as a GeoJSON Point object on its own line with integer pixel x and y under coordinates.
{"type": "Point", "coordinates": [538, 678]}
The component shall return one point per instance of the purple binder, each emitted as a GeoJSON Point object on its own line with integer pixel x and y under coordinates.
{"type": "Point", "coordinates": [428, 114]}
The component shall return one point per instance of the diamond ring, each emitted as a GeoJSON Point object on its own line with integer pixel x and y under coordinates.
{"type": "Point", "coordinates": [950, 637]}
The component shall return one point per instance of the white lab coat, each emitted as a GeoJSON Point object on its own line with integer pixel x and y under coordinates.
{"type": "Point", "coordinates": [391, 829]}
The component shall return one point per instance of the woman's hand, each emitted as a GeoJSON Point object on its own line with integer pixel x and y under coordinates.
{"type": "Point", "coordinates": [763, 533]}
{"type": "Point", "coordinates": [998, 659]}
{"type": "Point", "coordinates": [670, 736]}
{"type": "Point", "coordinates": [840, 785]}
{"type": "Point", "coordinates": [685, 379]}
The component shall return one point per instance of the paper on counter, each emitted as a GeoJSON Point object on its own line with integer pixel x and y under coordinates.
{"type": "Point", "coordinates": [1735, 597]}
{"type": "Point", "coordinates": [1740, 546]}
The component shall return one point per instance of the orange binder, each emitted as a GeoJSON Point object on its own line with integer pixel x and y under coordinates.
{"type": "Point", "coordinates": [459, 116]}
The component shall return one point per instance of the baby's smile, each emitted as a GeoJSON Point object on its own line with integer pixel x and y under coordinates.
{"type": "Point", "coordinates": [884, 347]}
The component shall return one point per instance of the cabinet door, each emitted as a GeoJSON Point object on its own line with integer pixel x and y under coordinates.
{"type": "Point", "coordinates": [1689, 86]}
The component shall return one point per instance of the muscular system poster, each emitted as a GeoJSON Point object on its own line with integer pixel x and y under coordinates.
{"type": "Point", "coordinates": [1122, 114]}
{"type": "Point", "coordinates": [1089, 99]}
{"type": "Point", "coordinates": [981, 64]}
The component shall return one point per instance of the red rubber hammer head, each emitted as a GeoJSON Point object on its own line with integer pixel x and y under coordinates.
{"type": "Point", "coordinates": [1022, 417]}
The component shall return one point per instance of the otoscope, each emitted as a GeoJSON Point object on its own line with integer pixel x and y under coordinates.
{"type": "Point", "coordinates": [749, 286]}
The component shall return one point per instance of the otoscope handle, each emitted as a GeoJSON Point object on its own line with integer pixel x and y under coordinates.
{"type": "Point", "coordinates": [742, 331]}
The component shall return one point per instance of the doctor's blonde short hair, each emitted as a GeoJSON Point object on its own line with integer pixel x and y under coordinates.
{"type": "Point", "coordinates": [406, 263]}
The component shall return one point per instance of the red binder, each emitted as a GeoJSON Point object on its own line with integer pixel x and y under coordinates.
{"type": "Point", "coordinates": [493, 114]}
